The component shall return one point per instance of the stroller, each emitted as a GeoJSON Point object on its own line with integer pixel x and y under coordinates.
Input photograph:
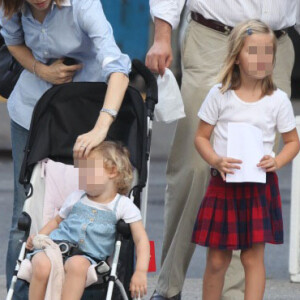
{"type": "Point", "coordinates": [63, 113]}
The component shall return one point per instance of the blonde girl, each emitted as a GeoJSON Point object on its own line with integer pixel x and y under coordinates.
{"type": "Point", "coordinates": [243, 215]}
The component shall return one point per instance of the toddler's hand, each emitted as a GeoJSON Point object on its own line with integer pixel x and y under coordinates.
{"type": "Point", "coordinates": [29, 243]}
{"type": "Point", "coordinates": [225, 165]}
{"type": "Point", "coordinates": [138, 284]}
{"type": "Point", "coordinates": [268, 163]}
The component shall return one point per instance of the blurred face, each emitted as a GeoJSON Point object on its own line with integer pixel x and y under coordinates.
{"type": "Point", "coordinates": [93, 177]}
{"type": "Point", "coordinates": [40, 5]}
{"type": "Point", "coordinates": [256, 57]}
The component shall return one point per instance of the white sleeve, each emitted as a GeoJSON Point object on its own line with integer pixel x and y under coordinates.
{"type": "Point", "coordinates": [297, 26]}
{"type": "Point", "coordinates": [285, 117]}
{"type": "Point", "coordinates": [128, 211]}
{"type": "Point", "coordinates": [209, 110]}
{"type": "Point", "coordinates": [167, 10]}
{"type": "Point", "coordinates": [69, 203]}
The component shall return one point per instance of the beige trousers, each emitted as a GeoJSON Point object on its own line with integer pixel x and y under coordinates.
{"type": "Point", "coordinates": [203, 52]}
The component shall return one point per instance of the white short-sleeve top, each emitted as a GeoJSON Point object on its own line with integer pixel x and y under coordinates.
{"type": "Point", "coordinates": [271, 113]}
{"type": "Point", "coordinates": [125, 209]}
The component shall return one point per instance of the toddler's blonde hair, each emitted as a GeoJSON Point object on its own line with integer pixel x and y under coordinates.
{"type": "Point", "coordinates": [229, 75]}
{"type": "Point", "coordinates": [115, 155]}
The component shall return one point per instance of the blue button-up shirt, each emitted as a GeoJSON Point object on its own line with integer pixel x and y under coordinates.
{"type": "Point", "coordinates": [78, 30]}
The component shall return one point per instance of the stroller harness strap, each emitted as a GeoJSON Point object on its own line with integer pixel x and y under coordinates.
{"type": "Point", "coordinates": [94, 230]}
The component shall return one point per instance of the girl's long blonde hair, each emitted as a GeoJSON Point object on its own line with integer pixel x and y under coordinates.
{"type": "Point", "coordinates": [11, 7]}
{"type": "Point", "coordinates": [229, 75]}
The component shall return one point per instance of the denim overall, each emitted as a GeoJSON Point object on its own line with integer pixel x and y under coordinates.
{"type": "Point", "coordinates": [94, 230]}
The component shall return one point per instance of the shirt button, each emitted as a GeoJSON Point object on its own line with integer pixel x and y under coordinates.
{"type": "Point", "coordinates": [92, 219]}
{"type": "Point", "coordinates": [45, 52]}
{"type": "Point", "coordinates": [94, 211]}
{"type": "Point", "coordinates": [81, 241]}
{"type": "Point", "coordinates": [43, 30]}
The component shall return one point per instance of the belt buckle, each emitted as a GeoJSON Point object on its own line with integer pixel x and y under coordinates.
{"type": "Point", "coordinates": [64, 248]}
{"type": "Point", "coordinates": [227, 30]}
{"type": "Point", "coordinates": [283, 33]}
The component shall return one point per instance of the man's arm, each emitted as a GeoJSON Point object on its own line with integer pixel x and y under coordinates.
{"type": "Point", "coordinates": [297, 26]}
{"type": "Point", "coordinates": [166, 14]}
{"type": "Point", "coordinates": [160, 54]}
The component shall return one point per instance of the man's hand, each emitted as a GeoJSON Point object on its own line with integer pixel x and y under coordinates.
{"type": "Point", "coordinates": [160, 54]}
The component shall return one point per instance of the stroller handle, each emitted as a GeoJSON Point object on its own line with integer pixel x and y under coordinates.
{"type": "Point", "coordinates": [151, 84]}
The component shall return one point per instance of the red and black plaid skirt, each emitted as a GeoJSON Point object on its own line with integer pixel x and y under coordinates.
{"type": "Point", "coordinates": [237, 215]}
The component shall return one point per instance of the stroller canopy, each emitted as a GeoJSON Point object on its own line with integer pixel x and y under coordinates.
{"type": "Point", "coordinates": [71, 109]}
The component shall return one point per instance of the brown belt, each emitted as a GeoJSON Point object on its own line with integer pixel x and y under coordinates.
{"type": "Point", "coordinates": [224, 28]}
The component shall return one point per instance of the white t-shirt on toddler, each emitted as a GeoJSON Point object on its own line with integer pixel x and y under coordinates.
{"type": "Point", "coordinates": [125, 209]}
{"type": "Point", "coordinates": [271, 113]}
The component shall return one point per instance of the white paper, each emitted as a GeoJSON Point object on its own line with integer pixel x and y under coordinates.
{"type": "Point", "coordinates": [245, 142]}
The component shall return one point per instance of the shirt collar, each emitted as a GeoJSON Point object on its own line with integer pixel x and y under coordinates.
{"type": "Point", "coordinates": [64, 3]}
{"type": "Point", "coordinates": [26, 10]}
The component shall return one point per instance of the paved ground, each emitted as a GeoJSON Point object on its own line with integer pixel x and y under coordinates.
{"type": "Point", "coordinates": [278, 286]}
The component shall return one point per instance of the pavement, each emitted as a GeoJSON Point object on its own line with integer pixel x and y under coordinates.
{"type": "Point", "coordinates": [276, 258]}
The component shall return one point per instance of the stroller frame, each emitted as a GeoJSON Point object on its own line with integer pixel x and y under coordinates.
{"type": "Point", "coordinates": [140, 161]}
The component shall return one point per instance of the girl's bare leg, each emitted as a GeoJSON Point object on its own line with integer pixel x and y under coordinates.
{"type": "Point", "coordinates": [217, 262]}
{"type": "Point", "coordinates": [76, 269]}
{"type": "Point", "coordinates": [255, 274]}
{"type": "Point", "coordinates": [41, 268]}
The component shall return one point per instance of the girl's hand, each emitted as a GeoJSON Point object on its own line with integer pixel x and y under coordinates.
{"type": "Point", "coordinates": [225, 165]}
{"type": "Point", "coordinates": [86, 142]}
{"type": "Point", "coordinates": [138, 284]}
{"type": "Point", "coordinates": [29, 243]}
{"type": "Point", "coordinates": [57, 72]}
{"type": "Point", "coordinates": [268, 163]}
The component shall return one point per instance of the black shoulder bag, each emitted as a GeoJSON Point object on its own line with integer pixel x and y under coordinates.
{"type": "Point", "coordinates": [10, 70]}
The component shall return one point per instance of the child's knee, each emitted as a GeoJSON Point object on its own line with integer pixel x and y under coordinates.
{"type": "Point", "coordinates": [218, 261]}
{"type": "Point", "coordinates": [41, 266]}
{"type": "Point", "coordinates": [250, 259]}
{"type": "Point", "coordinates": [77, 265]}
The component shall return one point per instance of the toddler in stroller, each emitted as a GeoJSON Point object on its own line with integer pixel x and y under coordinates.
{"type": "Point", "coordinates": [87, 223]}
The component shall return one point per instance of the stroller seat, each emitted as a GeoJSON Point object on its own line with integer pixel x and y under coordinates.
{"type": "Point", "coordinates": [58, 181]}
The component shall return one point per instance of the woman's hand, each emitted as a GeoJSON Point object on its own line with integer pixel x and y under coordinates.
{"type": "Point", "coordinates": [57, 72]}
{"type": "Point", "coordinates": [86, 142]}
{"type": "Point", "coordinates": [138, 284]}
{"type": "Point", "coordinates": [29, 243]}
{"type": "Point", "coordinates": [268, 163]}
{"type": "Point", "coordinates": [225, 165]}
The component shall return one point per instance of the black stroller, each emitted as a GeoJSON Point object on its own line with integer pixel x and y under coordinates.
{"type": "Point", "coordinates": [63, 113]}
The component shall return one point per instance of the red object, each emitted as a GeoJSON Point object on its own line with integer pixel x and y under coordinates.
{"type": "Point", "coordinates": [237, 215]}
{"type": "Point", "coordinates": [152, 263]}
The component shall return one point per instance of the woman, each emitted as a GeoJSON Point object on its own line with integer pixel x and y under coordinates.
{"type": "Point", "coordinates": [40, 34]}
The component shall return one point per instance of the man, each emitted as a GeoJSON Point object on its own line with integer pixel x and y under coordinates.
{"type": "Point", "coordinates": [202, 54]}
